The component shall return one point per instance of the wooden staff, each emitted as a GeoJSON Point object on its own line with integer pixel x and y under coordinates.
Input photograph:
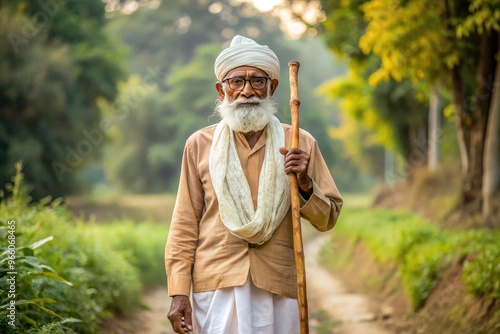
{"type": "Point", "coordinates": [298, 247]}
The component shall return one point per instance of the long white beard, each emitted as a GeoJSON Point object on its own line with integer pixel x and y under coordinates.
{"type": "Point", "coordinates": [246, 117]}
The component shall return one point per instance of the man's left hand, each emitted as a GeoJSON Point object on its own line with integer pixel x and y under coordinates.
{"type": "Point", "coordinates": [297, 161]}
{"type": "Point", "coordinates": [180, 314]}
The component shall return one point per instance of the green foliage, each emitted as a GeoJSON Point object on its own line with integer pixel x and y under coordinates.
{"type": "Point", "coordinates": [422, 251]}
{"type": "Point", "coordinates": [22, 271]}
{"type": "Point", "coordinates": [343, 27]}
{"type": "Point", "coordinates": [482, 273]}
{"type": "Point", "coordinates": [485, 16]}
{"type": "Point", "coordinates": [56, 63]}
{"type": "Point", "coordinates": [73, 274]}
{"type": "Point", "coordinates": [129, 239]}
{"type": "Point", "coordinates": [394, 23]}
{"type": "Point", "coordinates": [422, 266]}
{"type": "Point", "coordinates": [388, 114]}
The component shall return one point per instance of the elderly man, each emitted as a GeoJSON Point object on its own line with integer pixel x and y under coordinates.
{"type": "Point", "coordinates": [230, 240]}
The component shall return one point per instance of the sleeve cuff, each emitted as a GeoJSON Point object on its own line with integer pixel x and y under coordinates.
{"type": "Point", "coordinates": [318, 203]}
{"type": "Point", "coordinates": [179, 285]}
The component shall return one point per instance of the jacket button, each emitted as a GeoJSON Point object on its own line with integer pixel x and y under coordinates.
{"type": "Point", "coordinates": [251, 245]}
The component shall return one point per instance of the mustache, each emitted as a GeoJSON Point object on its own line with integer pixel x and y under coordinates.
{"type": "Point", "coordinates": [242, 100]}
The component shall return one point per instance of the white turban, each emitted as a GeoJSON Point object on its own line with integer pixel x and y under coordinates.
{"type": "Point", "coordinates": [246, 52]}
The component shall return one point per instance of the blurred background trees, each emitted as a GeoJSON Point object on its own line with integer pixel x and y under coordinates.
{"type": "Point", "coordinates": [180, 42]}
{"type": "Point", "coordinates": [406, 52]}
{"type": "Point", "coordinates": [56, 63]}
{"type": "Point", "coordinates": [118, 96]}
{"type": "Point", "coordinates": [101, 95]}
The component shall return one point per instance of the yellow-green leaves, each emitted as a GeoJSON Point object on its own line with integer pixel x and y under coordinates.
{"type": "Point", "coordinates": [485, 16]}
{"type": "Point", "coordinates": [408, 37]}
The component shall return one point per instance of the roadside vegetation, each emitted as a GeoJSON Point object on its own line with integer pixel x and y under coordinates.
{"type": "Point", "coordinates": [416, 253]}
{"type": "Point", "coordinates": [71, 274]}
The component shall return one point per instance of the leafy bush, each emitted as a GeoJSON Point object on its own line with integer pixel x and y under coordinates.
{"type": "Point", "coordinates": [422, 267]}
{"type": "Point", "coordinates": [83, 273]}
{"type": "Point", "coordinates": [22, 271]}
{"type": "Point", "coordinates": [141, 244]}
{"type": "Point", "coordinates": [422, 251]}
{"type": "Point", "coordinates": [482, 273]}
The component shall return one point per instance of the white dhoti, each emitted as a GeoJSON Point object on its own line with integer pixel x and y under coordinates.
{"type": "Point", "coordinates": [244, 310]}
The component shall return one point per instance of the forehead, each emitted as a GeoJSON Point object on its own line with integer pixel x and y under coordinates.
{"type": "Point", "coordinates": [246, 71]}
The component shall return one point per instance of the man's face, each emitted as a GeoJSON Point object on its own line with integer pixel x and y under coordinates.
{"type": "Point", "coordinates": [245, 72]}
{"type": "Point", "coordinates": [248, 108]}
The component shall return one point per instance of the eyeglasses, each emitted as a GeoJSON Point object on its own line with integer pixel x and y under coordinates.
{"type": "Point", "coordinates": [238, 83]}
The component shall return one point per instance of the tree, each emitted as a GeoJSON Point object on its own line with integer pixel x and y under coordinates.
{"type": "Point", "coordinates": [491, 176]}
{"type": "Point", "coordinates": [394, 111]}
{"type": "Point", "coordinates": [56, 64]}
{"type": "Point", "coordinates": [451, 44]}
{"type": "Point", "coordinates": [449, 41]}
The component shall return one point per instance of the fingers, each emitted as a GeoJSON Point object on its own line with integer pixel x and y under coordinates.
{"type": "Point", "coordinates": [188, 322]}
{"type": "Point", "coordinates": [176, 321]}
{"type": "Point", "coordinates": [296, 160]}
{"type": "Point", "coordinates": [180, 314]}
{"type": "Point", "coordinates": [176, 324]}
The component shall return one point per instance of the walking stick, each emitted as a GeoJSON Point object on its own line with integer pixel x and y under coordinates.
{"type": "Point", "coordinates": [298, 247]}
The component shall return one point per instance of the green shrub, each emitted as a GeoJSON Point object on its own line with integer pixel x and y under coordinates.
{"type": "Point", "coordinates": [422, 251]}
{"type": "Point", "coordinates": [141, 244]}
{"type": "Point", "coordinates": [482, 273]}
{"type": "Point", "coordinates": [22, 275]}
{"type": "Point", "coordinates": [421, 269]}
{"type": "Point", "coordinates": [83, 273]}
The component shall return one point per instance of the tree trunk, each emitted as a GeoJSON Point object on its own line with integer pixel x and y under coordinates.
{"type": "Point", "coordinates": [389, 167]}
{"type": "Point", "coordinates": [457, 90]}
{"type": "Point", "coordinates": [462, 119]}
{"type": "Point", "coordinates": [472, 119]}
{"type": "Point", "coordinates": [434, 129]}
{"type": "Point", "coordinates": [491, 175]}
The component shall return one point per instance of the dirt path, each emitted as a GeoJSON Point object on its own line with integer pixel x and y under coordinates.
{"type": "Point", "coordinates": [153, 320]}
{"type": "Point", "coordinates": [325, 293]}
{"type": "Point", "coordinates": [329, 293]}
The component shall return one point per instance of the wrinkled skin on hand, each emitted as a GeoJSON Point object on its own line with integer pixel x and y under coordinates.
{"type": "Point", "coordinates": [297, 161]}
{"type": "Point", "coordinates": [180, 314]}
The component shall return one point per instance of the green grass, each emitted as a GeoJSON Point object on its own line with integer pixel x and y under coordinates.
{"type": "Point", "coordinates": [421, 250]}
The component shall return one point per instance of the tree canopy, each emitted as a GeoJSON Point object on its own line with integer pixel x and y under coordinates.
{"type": "Point", "coordinates": [453, 44]}
{"type": "Point", "coordinates": [57, 61]}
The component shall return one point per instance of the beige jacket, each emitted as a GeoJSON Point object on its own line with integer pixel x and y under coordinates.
{"type": "Point", "coordinates": [201, 254]}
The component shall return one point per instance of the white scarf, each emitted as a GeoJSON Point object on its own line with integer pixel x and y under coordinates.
{"type": "Point", "coordinates": [233, 192]}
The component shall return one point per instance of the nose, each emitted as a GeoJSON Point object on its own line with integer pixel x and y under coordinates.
{"type": "Point", "coordinates": [247, 91]}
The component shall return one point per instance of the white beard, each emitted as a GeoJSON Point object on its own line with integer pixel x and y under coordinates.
{"type": "Point", "coordinates": [246, 117]}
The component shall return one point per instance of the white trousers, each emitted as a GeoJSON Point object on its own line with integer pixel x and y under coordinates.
{"type": "Point", "coordinates": [244, 310]}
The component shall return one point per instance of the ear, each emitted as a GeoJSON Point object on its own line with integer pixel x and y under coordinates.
{"type": "Point", "coordinates": [220, 90]}
{"type": "Point", "coordinates": [274, 85]}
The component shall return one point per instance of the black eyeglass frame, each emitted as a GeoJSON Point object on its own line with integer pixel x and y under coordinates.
{"type": "Point", "coordinates": [249, 80]}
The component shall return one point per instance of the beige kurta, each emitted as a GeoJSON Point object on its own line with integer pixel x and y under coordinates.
{"type": "Point", "coordinates": [201, 254]}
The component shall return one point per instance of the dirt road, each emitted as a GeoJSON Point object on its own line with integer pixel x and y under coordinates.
{"type": "Point", "coordinates": [351, 309]}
